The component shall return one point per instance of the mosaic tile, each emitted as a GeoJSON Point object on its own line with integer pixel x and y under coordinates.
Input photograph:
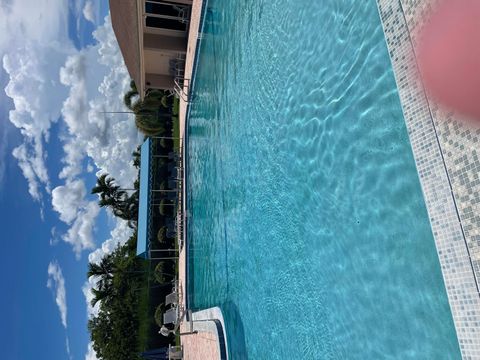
{"type": "Point", "coordinates": [447, 155]}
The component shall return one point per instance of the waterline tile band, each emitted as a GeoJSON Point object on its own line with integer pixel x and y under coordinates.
{"type": "Point", "coordinates": [448, 164]}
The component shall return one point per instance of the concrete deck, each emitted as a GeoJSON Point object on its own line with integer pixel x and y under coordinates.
{"type": "Point", "coordinates": [200, 346]}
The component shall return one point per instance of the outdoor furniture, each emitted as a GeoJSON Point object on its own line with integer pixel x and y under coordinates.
{"type": "Point", "coordinates": [173, 172]}
{"type": "Point", "coordinates": [175, 352]}
{"type": "Point", "coordinates": [172, 299]}
{"type": "Point", "coordinates": [171, 231]}
{"type": "Point", "coordinates": [171, 316]}
{"type": "Point", "coordinates": [171, 195]}
{"type": "Point", "coordinates": [156, 354]}
{"type": "Point", "coordinates": [172, 184]}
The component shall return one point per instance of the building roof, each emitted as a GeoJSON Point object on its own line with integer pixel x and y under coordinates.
{"type": "Point", "coordinates": [143, 225]}
{"type": "Point", "coordinates": [125, 25]}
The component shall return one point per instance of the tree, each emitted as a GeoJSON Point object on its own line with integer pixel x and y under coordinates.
{"type": "Point", "coordinates": [150, 123]}
{"type": "Point", "coordinates": [152, 114]}
{"type": "Point", "coordinates": [103, 273]}
{"type": "Point", "coordinates": [123, 293]}
{"type": "Point", "coordinates": [106, 187]}
{"type": "Point", "coordinates": [113, 197]}
{"type": "Point", "coordinates": [136, 157]}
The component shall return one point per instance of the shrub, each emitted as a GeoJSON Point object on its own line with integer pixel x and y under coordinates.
{"type": "Point", "coordinates": [149, 124]}
{"type": "Point", "coordinates": [165, 208]}
{"type": "Point", "coordinates": [160, 272]}
{"type": "Point", "coordinates": [166, 143]}
{"type": "Point", "coordinates": [162, 235]}
{"type": "Point", "coordinates": [164, 101]}
{"type": "Point", "coordinates": [160, 162]}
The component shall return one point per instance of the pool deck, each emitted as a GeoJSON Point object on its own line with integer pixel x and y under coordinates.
{"type": "Point", "coordinates": [206, 342]}
{"type": "Point", "coordinates": [447, 156]}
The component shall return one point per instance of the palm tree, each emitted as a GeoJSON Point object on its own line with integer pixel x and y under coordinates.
{"type": "Point", "coordinates": [103, 273]}
{"type": "Point", "coordinates": [136, 157]}
{"type": "Point", "coordinates": [117, 199]}
{"type": "Point", "coordinates": [132, 93]}
{"type": "Point", "coordinates": [104, 268]}
{"type": "Point", "coordinates": [108, 191]}
{"type": "Point", "coordinates": [151, 114]}
{"type": "Point", "coordinates": [150, 123]}
{"type": "Point", "coordinates": [101, 294]}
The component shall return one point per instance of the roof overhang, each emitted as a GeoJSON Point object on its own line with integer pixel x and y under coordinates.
{"type": "Point", "coordinates": [143, 224]}
{"type": "Point", "coordinates": [141, 16]}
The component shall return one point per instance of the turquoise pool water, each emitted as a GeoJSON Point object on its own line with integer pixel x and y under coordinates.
{"type": "Point", "coordinates": [306, 219]}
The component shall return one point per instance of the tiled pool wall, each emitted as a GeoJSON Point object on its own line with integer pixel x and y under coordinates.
{"type": "Point", "coordinates": [446, 152]}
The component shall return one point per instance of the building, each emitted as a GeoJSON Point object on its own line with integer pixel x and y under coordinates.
{"type": "Point", "coordinates": [152, 35]}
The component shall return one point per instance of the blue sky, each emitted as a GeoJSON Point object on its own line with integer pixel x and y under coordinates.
{"type": "Point", "coordinates": [60, 69]}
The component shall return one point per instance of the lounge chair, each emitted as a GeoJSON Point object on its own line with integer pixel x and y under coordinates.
{"type": "Point", "coordinates": [172, 155]}
{"type": "Point", "coordinates": [172, 184]}
{"type": "Point", "coordinates": [175, 352]}
{"type": "Point", "coordinates": [171, 316]}
{"type": "Point", "coordinates": [172, 299]}
{"type": "Point", "coordinates": [173, 173]}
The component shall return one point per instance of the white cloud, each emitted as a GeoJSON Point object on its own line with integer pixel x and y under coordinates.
{"type": "Point", "coordinates": [69, 199]}
{"type": "Point", "coordinates": [67, 347]}
{"type": "Point", "coordinates": [28, 169]}
{"type": "Point", "coordinates": [56, 283]}
{"type": "Point", "coordinates": [50, 79]}
{"type": "Point", "coordinates": [54, 238]}
{"type": "Point", "coordinates": [92, 311]}
{"type": "Point", "coordinates": [70, 203]}
{"type": "Point", "coordinates": [108, 139]}
{"type": "Point", "coordinates": [119, 235]}
{"type": "Point", "coordinates": [5, 129]}
{"type": "Point", "coordinates": [32, 49]}
{"type": "Point", "coordinates": [77, 87]}
{"type": "Point", "coordinates": [90, 355]}
{"type": "Point", "coordinates": [49, 22]}
{"type": "Point", "coordinates": [89, 11]}
{"type": "Point", "coordinates": [108, 144]}
{"type": "Point", "coordinates": [80, 234]}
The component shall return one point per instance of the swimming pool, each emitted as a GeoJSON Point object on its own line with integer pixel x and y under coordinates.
{"type": "Point", "coordinates": [306, 220]}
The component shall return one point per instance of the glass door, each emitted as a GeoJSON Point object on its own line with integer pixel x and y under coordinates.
{"type": "Point", "coordinates": [165, 15]}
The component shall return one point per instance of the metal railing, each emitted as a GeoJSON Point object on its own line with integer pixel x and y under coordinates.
{"type": "Point", "coordinates": [182, 88]}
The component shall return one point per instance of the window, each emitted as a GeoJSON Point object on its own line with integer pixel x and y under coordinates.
{"type": "Point", "coordinates": [157, 8]}
{"type": "Point", "coordinates": [161, 23]}
{"type": "Point", "coordinates": [165, 15]}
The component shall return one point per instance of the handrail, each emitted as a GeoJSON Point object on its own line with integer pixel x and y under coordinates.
{"type": "Point", "coordinates": [182, 88]}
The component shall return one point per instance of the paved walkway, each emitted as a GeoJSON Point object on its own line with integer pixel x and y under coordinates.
{"type": "Point", "coordinates": [200, 346]}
